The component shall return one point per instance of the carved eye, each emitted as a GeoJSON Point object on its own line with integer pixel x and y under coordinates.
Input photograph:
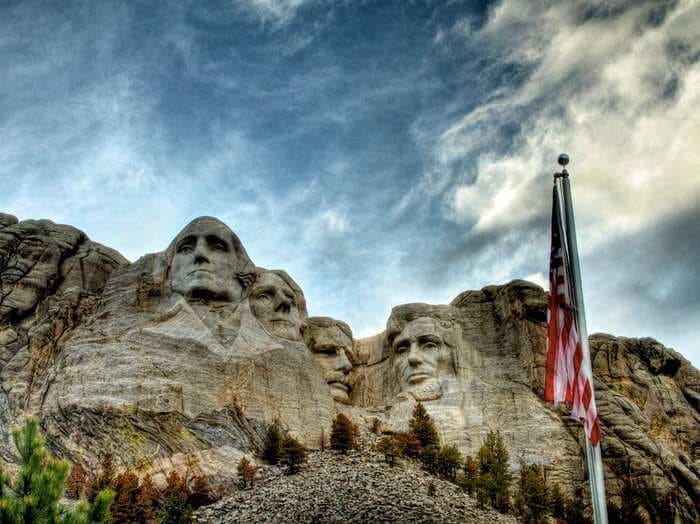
{"type": "Point", "coordinates": [218, 246]}
{"type": "Point", "coordinates": [330, 351]}
{"type": "Point", "coordinates": [263, 296]}
{"type": "Point", "coordinates": [430, 345]}
{"type": "Point", "coordinates": [401, 348]}
{"type": "Point", "coordinates": [185, 248]}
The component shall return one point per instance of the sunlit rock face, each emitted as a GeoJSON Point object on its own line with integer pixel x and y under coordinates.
{"type": "Point", "coordinates": [183, 358]}
{"type": "Point", "coordinates": [331, 343]}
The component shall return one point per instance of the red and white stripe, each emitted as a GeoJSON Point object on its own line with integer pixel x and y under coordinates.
{"type": "Point", "coordinates": [566, 379]}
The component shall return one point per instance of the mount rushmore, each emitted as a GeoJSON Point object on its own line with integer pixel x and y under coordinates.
{"type": "Point", "coordinates": [185, 357]}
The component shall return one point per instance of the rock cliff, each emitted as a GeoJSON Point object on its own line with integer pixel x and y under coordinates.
{"type": "Point", "coordinates": [185, 357]}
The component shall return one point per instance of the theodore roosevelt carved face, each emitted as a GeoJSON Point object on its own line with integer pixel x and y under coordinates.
{"type": "Point", "coordinates": [208, 262]}
{"type": "Point", "coordinates": [331, 343]}
{"type": "Point", "coordinates": [278, 303]}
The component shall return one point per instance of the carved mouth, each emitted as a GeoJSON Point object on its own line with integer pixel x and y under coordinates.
{"type": "Point", "coordinates": [282, 321]}
{"type": "Point", "coordinates": [419, 376]}
{"type": "Point", "coordinates": [200, 271]}
{"type": "Point", "coordinates": [339, 385]}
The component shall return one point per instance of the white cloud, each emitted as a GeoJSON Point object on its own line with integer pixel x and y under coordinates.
{"type": "Point", "coordinates": [280, 11]}
{"type": "Point", "coordinates": [596, 92]}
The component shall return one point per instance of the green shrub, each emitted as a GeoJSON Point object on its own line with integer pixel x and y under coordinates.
{"type": "Point", "coordinates": [33, 495]}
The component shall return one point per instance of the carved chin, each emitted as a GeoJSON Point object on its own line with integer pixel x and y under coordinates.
{"type": "Point", "coordinates": [284, 329]}
{"type": "Point", "coordinates": [426, 390]}
{"type": "Point", "coordinates": [340, 392]}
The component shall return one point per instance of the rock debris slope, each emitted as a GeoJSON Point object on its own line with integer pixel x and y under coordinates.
{"type": "Point", "coordinates": [356, 488]}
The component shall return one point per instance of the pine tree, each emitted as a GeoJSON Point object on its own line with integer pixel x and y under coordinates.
{"type": "Point", "coordinates": [33, 496]}
{"type": "Point", "coordinates": [556, 501]}
{"type": "Point", "coordinates": [409, 444]}
{"type": "Point", "coordinates": [449, 461]}
{"type": "Point", "coordinates": [125, 506]}
{"type": "Point", "coordinates": [390, 448]}
{"type": "Point", "coordinates": [494, 477]}
{"type": "Point", "coordinates": [246, 471]}
{"type": "Point", "coordinates": [422, 426]}
{"type": "Point", "coordinates": [174, 507]}
{"type": "Point", "coordinates": [145, 500]}
{"type": "Point", "coordinates": [343, 434]}
{"type": "Point", "coordinates": [532, 498]}
{"type": "Point", "coordinates": [292, 454]}
{"type": "Point", "coordinates": [200, 493]}
{"type": "Point", "coordinates": [273, 444]}
{"type": "Point", "coordinates": [77, 481]}
{"type": "Point", "coordinates": [104, 478]}
{"type": "Point", "coordinates": [471, 474]}
{"type": "Point", "coordinates": [429, 456]}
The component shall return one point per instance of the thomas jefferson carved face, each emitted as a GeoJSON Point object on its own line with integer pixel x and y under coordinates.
{"type": "Point", "coordinates": [421, 358]}
{"type": "Point", "coordinates": [207, 262]}
{"type": "Point", "coordinates": [332, 347]}
{"type": "Point", "coordinates": [277, 305]}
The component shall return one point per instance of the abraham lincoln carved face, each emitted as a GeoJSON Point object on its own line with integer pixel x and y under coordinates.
{"type": "Point", "coordinates": [422, 352]}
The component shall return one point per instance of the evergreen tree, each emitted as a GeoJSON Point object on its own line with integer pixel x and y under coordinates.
{"type": "Point", "coordinates": [408, 443]}
{"type": "Point", "coordinates": [77, 482]}
{"type": "Point", "coordinates": [33, 496]}
{"type": "Point", "coordinates": [292, 454]}
{"type": "Point", "coordinates": [125, 506]}
{"type": "Point", "coordinates": [104, 478]}
{"type": "Point", "coordinates": [532, 498]}
{"type": "Point", "coordinates": [494, 477]}
{"type": "Point", "coordinates": [449, 461]}
{"type": "Point", "coordinates": [246, 471]}
{"type": "Point", "coordinates": [145, 500]}
{"type": "Point", "coordinates": [429, 456]}
{"type": "Point", "coordinates": [422, 426]}
{"type": "Point", "coordinates": [557, 502]}
{"type": "Point", "coordinates": [390, 448]}
{"type": "Point", "coordinates": [273, 444]}
{"type": "Point", "coordinates": [200, 493]}
{"type": "Point", "coordinates": [343, 434]}
{"type": "Point", "coordinates": [471, 474]}
{"type": "Point", "coordinates": [174, 507]}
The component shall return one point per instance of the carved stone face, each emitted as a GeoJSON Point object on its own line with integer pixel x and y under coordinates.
{"type": "Point", "coordinates": [28, 272]}
{"type": "Point", "coordinates": [206, 261]}
{"type": "Point", "coordinates": [331, 348]}
{"type": "Point", "coordinates": [421, 357]}
{"type": "Point", "coordinates": [274, 304]}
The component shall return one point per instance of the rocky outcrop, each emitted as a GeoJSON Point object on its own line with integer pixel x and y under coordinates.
{"type": "Point", "coordinates": [183, 358]}
{"type": "Point", "coordinates": [51, 278]}
{"type": "Point", "coordinates": [357, 488]}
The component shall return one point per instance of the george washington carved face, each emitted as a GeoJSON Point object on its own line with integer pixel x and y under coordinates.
{"type": "Point", "coordinates": [208, 262]}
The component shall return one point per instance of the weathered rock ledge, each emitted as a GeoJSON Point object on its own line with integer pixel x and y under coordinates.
{"type": "Point", "coordinates": [358, 487]}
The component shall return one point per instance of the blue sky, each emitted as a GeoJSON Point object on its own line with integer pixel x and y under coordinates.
{"type": "Point", "coordinates": [381, 152]}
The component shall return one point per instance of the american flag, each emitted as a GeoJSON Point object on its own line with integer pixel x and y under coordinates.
{"type": "Point", "coordinates": [566, 379]}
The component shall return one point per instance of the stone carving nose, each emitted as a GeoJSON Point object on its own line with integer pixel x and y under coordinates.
{"type": "Point", "coordinates": [200, 253]}
{"type": "Point", "coordinates": [344, 364]}
{"type": "Point", "coordinates": [414, 356]}
{"type": "Point", "coordinates": [283, 304]}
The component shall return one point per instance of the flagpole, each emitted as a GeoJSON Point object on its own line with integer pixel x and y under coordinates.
{"type": "Point", "coordinates": [593, 456]}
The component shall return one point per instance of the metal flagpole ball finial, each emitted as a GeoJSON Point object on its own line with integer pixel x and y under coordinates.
{"type": "Point", "coordinates": [563, 160]}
